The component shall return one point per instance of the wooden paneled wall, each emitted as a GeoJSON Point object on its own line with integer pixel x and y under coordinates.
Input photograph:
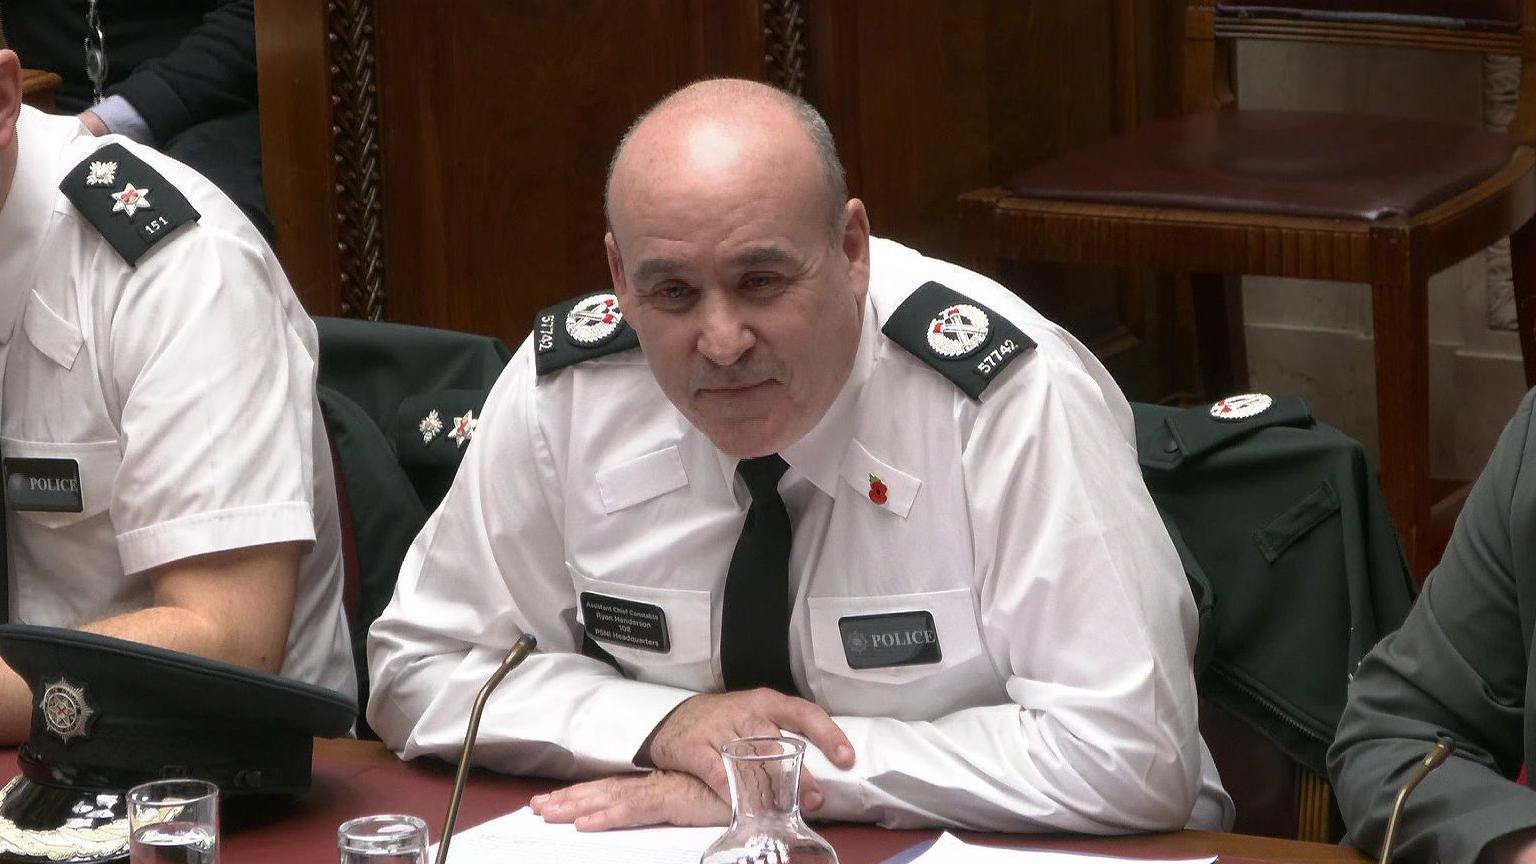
{"type": "Point", "coordinates": [446, 167]}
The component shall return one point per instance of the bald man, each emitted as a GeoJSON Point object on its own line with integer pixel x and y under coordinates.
{"type": "Point", "coordinates": [787, 478]}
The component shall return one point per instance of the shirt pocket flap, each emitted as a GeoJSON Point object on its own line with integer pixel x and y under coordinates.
{"type": "Point", "coordinates": [896, 489]}
{"type": "Point", "coordinates": [92, 466]}
{"type": "Point", "coordinates": [897, 638]}
{"type": "Point", "coordinates": [51, 334]}
{"type": "Point", "coordinates": [641, 479]}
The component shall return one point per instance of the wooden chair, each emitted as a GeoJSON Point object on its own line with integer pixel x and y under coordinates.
{"type": "Point", "coordinates": [1220, 192]}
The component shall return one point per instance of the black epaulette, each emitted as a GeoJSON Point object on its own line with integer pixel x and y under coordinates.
{"type": "Point", "coordinates": [580, 329]}
{"type": "Point", "coordinates": [130, 203]}
{"type": "Point", "coordinates": [967, 342]}
{"type": "Point", "coordinates": [1192, 432]}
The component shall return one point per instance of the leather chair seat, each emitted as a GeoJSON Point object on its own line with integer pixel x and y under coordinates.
{"type": "Point", "coordinates": [1471, 14]}
{"type": "Point", "coordinates": [1289, 163]}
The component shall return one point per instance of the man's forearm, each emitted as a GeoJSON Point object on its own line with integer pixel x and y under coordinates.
{"type": "Point", "coordinates": [175, 629]}
{"type": "Point", "coordinates": [950, 772]}
{"type": "Point", "coordinates": [234, 606]}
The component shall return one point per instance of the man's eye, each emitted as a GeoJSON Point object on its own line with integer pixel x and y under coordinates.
{"type": "Point", "coordinates": [672, 292]}
{"type": "Point", "coordinates": [760, 281]}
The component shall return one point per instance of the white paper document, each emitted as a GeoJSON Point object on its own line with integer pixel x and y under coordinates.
{"type": "Point", "coordinates": [525, 838]}
{"type": "Point", "coordinates": [949, 849]}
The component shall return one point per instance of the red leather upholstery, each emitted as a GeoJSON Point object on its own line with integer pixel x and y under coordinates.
{"type": "Point", "coordinates": [1294, 163]}
{"type": "Point", "coordinates": [1473, 14]}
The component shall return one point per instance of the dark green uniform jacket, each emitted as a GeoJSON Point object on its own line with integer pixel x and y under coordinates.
{"type": "Point", "coordinates": [378, 385]}
{"type": "Point", "coordinates": [1293, 561]}
{"type": "Point", "coordinates": [1460, 666]}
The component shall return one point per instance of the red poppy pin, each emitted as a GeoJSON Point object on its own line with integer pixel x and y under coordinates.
{"type": "Point", "coordinates": [877, 490]}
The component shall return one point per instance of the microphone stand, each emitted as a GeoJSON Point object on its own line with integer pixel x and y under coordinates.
{"type": "Point", "coordinates": [1432, 760]}
{"type": "Point", "coordinates": [520, 650]}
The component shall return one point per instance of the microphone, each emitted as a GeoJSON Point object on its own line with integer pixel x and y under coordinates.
{"type": "Point", "coordinates": [1432, 760]}
{"type": "Point", "coordinates": [520, 650]}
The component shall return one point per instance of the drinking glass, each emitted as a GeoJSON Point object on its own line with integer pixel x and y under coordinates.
{"type": "Point", "coordinates": [173, 822]}
{"type": "Point", "coordinates": [766, 827]}
{"type": "Point", "coordinates": [393, 838]}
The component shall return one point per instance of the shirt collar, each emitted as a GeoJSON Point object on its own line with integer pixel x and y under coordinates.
{"type": "Point", "coordinates": [28, 210]}
{"type": "Point", "coordinates": [819, 453]}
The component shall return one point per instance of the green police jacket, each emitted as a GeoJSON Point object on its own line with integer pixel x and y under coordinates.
{"type": "Point", "coordinates": [1294, 563]}
{"type": "Point", "coordinates": [1460, 666]}
{"type": "Point", "coordinates": [400, 405]}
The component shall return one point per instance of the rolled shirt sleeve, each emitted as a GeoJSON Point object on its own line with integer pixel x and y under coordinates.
{"type": "Point", "coordinates": [216, 411]}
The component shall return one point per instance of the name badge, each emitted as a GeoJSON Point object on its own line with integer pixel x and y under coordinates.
{"type": "Point", "coordinates": [625, 622]}
{"type": "Point", "coordinates": [895, 639]}
{"type": "Point", "coordinates": [45, 485]}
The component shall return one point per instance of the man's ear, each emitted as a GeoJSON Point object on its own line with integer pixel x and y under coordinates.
{"type": "Point", "coordinates": [10, 97]}
{"type": "Point", "coordinates": [855, 246]}
{"type": "Point", "coordinates": [616, 269]}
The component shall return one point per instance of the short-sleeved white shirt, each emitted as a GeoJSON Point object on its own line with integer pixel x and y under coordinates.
{"type": "Point", "coordinates": [182, 386]}
{"type": "Point", "coordinates": [1017, 526]}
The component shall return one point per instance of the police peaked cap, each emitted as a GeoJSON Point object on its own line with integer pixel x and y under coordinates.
{"type": "Point", "coordinates": [108, 714]}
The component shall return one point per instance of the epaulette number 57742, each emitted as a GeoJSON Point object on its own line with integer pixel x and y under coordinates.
{"type": "Point", "coordinates": [993, 359]}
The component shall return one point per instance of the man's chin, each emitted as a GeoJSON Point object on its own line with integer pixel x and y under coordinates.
{"type": "Point", "coordinates": [746, 439]}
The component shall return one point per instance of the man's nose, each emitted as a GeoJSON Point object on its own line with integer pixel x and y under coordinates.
{"type": "Point", "coordinates": [724, 335]}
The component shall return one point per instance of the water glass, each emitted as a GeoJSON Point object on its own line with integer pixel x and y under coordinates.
{"type": "Point", "coordinates": [386, 839]}
{"type": "Point", "coordinates": [173, 822]}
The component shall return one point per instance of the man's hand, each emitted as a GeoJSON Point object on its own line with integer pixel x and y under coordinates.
{"type": "Point", "coordinates": [633, 801]}
{"type": "Point", "coordinates": [689, 739]}
{"type": "Point", "coordinates": [90, 121]}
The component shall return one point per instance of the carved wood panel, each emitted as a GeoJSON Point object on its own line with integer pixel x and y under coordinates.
{"type": "Point", "coordinates": [448, 168]}
{"type": "Point", "coordinates": [359, 190]}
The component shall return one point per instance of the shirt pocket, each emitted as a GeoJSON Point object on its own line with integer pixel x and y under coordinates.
{"type": "Point", "coordinates": [928, 682]}
{"type": "Point", "coordinates": [658, 635]}
{"type": "Point", "coordinates": [96, 463]}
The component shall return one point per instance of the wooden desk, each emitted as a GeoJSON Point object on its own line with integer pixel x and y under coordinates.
{"type": "Point", "coordinates": [37, 88]}
{"type": "Point", "coordinates": [355, 778]}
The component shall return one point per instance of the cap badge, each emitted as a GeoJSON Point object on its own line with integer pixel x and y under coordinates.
{"type": "Point", "coordinates": [958, 331]}
{"type": "Point", "coordinates": [594, 320]}
{"type": "Point", "coordinates": [464, 428]}
{"type": "Point", "coordinates": [131, 200]}
{"type": "Point", "coordinates": [1241, 407]}
{"type": "Point", "coordinates": [101, 174]}
{"type": "Point", "coordinates": [877, 490]}
{"type": "Point", "coordinates": [429, 426]}
{"type": "Point", "coordinates": [65, 709]}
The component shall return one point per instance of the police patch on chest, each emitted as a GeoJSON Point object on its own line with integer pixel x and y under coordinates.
{"type": "Point", "coordinates": [894, 639]}
{"type": "Point", "coordinates": [43, 485]}
{"type": "Point", "coordinates": [625, 622]}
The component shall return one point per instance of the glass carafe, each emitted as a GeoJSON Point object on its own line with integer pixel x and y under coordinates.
{"type": "Point", "coordinates": [766, 827]}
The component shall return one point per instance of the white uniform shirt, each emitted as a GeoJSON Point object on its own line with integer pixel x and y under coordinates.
{"type": "Point", "coordinates": [183, 388]}
{"type": "Point", "coordinates": [1063, 699]}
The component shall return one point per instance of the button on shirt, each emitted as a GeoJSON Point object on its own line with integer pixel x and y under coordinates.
{"type": "Point", "coordinates": [183, 391]}
{"type": "Point", "coordinates": [1014, 532]}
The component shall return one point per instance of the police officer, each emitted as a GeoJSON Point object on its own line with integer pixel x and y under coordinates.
{"type": "Point", "coordinates": [167, 475]}
{"type": "Point", "coordinates": [842, 490]}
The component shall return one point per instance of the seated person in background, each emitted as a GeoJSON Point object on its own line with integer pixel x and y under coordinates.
{"type": "Point", "coordinates": [841, 490]}
{"type": "Point", "coordinates": [1459, 667]}
{"type": "Point", "coordinates": [167, 476]}
{"type": "Point", "coordinates": [180, 76]}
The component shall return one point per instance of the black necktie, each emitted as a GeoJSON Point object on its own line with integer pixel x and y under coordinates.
{"type": "Point", "coordinates": [754, 620]}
